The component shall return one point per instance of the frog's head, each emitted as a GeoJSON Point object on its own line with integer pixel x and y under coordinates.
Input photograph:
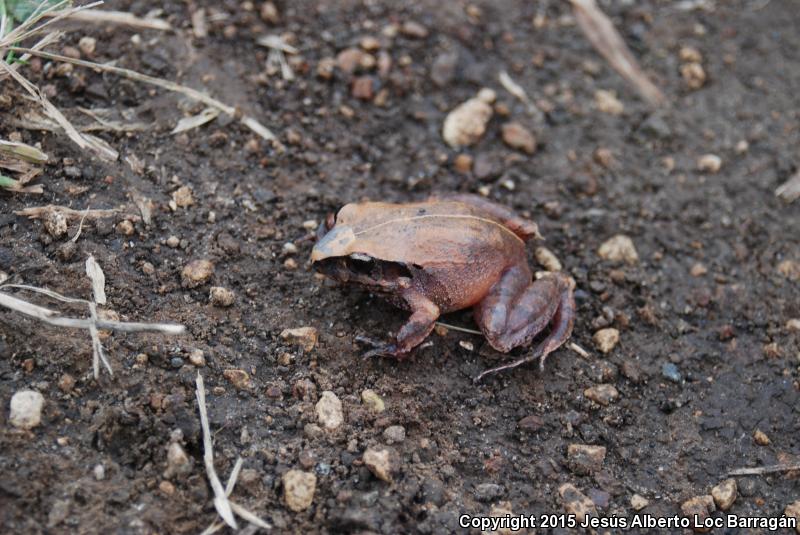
{"type": "Point", "coordinates": [335, 243]}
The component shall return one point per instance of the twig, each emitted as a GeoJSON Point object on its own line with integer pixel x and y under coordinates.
{"type": "Point", "coordinates": [221, 502]}
{"type": "Point", "coordinates": [600, 31]}
{"type": "Point", "coordinates": [118, 17]}
{"type": "Point", "coordinates": [35, 212]}
{"type": "Point", "coordinates": [773, 469]}
{"type": "Point", "coordinates": [515, 89]}
{"type": "Point", "coordinates": [248, 121]}
{"type": "Point", "coordinates": [579, 350]}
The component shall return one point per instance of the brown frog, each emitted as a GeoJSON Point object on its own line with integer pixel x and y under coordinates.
{"type": "Point", "coordinates": [446, 254]}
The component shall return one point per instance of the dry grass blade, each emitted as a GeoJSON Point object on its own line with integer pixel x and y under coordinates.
{"type": "Point", "coordinates": [773, 469]}
{"type": "Point", "coordinates": [195, 121]}
{"type": "Point", "coordinates": [459, 329]}
{"type": "Point", "coordinates": [600, 31]}
{"type": "Point", "coordinates": [36, 212]}
{"type": "Point", "coordinates": [221, 502]}
{"type": "Point", "coordinates": [248, 121]}
{"type": "Point", "coordinates": [515, 89]}
{"type": "Point", "coordinates": [118, 17]}
{"type": "Point", "coordinates": [23, 151]}
{"type": "Point", "coordinates": [98, 278]}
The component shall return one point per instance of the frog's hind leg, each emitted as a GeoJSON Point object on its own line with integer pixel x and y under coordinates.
{"type": "Point", "coordinates": [509, 319]}
{"type": "Point", "coordinates": [520, 226]}
{"type": "Point", "coordinates": [424, 314]}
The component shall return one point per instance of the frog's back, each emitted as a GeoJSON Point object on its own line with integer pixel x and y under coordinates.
{"type": "Point", "coordinates": [431, 235]}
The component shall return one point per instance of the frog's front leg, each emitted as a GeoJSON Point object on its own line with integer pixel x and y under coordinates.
{"type": "Point", "coordinates": [424, 314]}
{"type": "Point", "coordinates": [516, 310]}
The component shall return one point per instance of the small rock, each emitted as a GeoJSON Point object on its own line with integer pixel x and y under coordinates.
{"type": "Point", "coordinates": [26, 409]}
{"type": "Point", "coordinates": [312, 431]}
{"type": "Point", "coordinates": [414, 30]}
{"type": "Point", "coordinates": [576, 503]}
{"type": "Point", "coordinates": [639, 502]}
{"type": "Point", "coordinates": [329, 410]}
{"type": "Point", "coordinates": [372, 401]}
{"type": "Point", "coordinates": [789, 269]}
{"type": "Point", "coordinates": [602, 394]}
{"type": "Point", "coordinates": [489, 492]}
{"type": "Point", "coordinates": [793, 511]}
{"type": "Point", "coordinates": [530, 423]}
{"type": "Point", "coordinates": [547, 259]}
{"type": "Point", "coordinates": [443, 70]}
{"type": "Point", "coordinates": [238, 378]}
{"type": "Point", "coordinates": [724, 494]}
{"type": "Point", "coordinates": [66, 383]}
{"type": "Point", "coordinates": [87, 45]}
{"type": "Point", "coordinates": [183, 197]}
{"type": "Point", "coordinates": [349, 59]}
{"type": "Point", "coordinates": [173, 241]}
{"type": "Point", "coordinates": [606, 339]}
{"type": "Point", "coordinates": [394, 433]}
{"type": "Point", "coordinates": [55, 223]}
{"type": "Point", "coordinates": [305, 337]}
{"type": "Point", "coordinates": [584, 459]}
{"type": "Point", "coordinates": [363, 88]}
{"type": "Point", "coordinates": [221, 297]}
{"type": "Point", "coordinates": [269, 13]}
{"type": "Point", "coordinates": [518, 137]}
{"type": "Point", "coordinates": [298, 489]}
{"type": "Point", "coordinates": [463, 163]}
{"type": "Point", "coordinates": [197, 358]}
{"type": "Point", "coordinates": [197, 272]}
{"type": "Point", "coordinates": [325, 68]}
{"type": "Point", "coordinates": [125, 227]}
{"type": "Point", "coordinates": [607, 102]}
{"type": "Point", "coordinates": [178, 463]}
{"type": "Point", "coordinates": [742, 146]}
{"type": "Point", "coordinates": [698, 270]}
{"type": "Point", "coordinates": [466, 124]}
{"type": "Point", "coordinates": [699, 507]}
{"type": "Point", "coordinates": [99, 472]}
{"type": "Point", "coordinates": [694, 75]}
{"type": "Point", "coordinates": [709, 163]}
{"type": "Point", "coordinates": [379, 463]}
{"type": "Point", "coordinates": [690, 54]}
{"type": "Point", "coordinates": [619, 248]}
{"type": "Point", "coordinates": [502, 509]}
{"type": "Point", "coordinates": [670, 371]}
{"type": "Point", "coordinates": [793, 325]}
{"type": "Point", "coordinates": [761, 438]}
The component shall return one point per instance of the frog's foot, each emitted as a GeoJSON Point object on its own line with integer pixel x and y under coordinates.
{"type": "Point", "coordinates": [379, 349]}
{"type": "Point", "coordinates": [509, 319]}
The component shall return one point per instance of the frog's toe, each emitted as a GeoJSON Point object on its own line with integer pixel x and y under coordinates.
{"type": "Point", "coordinates": [379, 349]}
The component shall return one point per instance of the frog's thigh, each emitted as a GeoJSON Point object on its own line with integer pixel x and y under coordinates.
{"type": "Point", "coordinates": [512, 317]}
{"type": "Point", "coordinates": [492, 313]}
{"type": "Point", "coordinates": [420, 323]}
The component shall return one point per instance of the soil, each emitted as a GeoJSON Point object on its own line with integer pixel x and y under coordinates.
{"type": "Point", "coordinates": [705, 357]}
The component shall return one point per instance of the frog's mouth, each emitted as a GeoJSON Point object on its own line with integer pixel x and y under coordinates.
{"type": "Point", "coordinates": [362, 269]}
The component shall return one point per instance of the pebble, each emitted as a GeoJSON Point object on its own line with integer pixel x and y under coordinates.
{"type": "Point", "coordinates": [26, 409]}
{"type": "Point", "coordinates": [639, 502]}
{"type": "Point", "coordinates": [305, 337]}
{"type": "Point", "coordinates": [443, 70]}
{"type": "Point", "coordinates": [349, 59]}
{"type": "Point", "coordinates": [530, 423]}
{"type": "Point", "coordinates": [693, 74]}
{"type": "Point", "coordinates": [369, 43]}
{"type": "Point", "coordinates": [700, 506]}
{"type": "Point", "coordinates": [183, 197]}
{"type": "Point", "coordinates": [173, 241]}
{"type": "Point", "coordinates": [55, 223]}
{"type": "Point", "coordinates": [690, 54]}
{"type": "Point", "coordinates": [178, 463]}
{"type": "Point", "coordinates": [363, 88]}
{"type": "Point", "coordinates": [87, 45]}
{"type": "Point", "coordinates": [547, 259]}
{"type": "Point", "coordinates": [414, 30]}
{"type": "Point", "coordinates": [238, 378]}
{"type": "Point", "coordinates": [501, 509]}
{"type": "Point", "coordinates": [607, 102]}
{"type": "Point", "coordinates": [167, 488]}
{"type": "Point", "coordinates": [298, 489]}
{"type": "Point", "coordinates": [329, 410]}
{"type": "Point", "coordinates": [488, 492]}
{"type": "Point", "coordinates": [606, 339]}
{"type": "Point", "coordinates": [197, 358]}
{"type": "Point", "coordinates": [709, 163]}
{"type": "Point", "coordinates": [619, 248]}
{"type": "Point", "coordinates": [125, 227]}
{"type": "Point", "coordinates": [631, 371]}
{"type": "Point", "coordinates": [698, 270]}
{"type": "Point", "coordinates": [99, 472]}
{"type": "Point", "coordinates": [584, 459]}
{"type": "Point", "coordinates": [197, 272]}
{"type": "Point", "coordinates": [761, 438]}
{"type": "Point", "coordinates": [221, 297]}
{"type": "Point", "coordinates": [463, 163]}
{"type": "Point", "coordinates": [269, 13]}
{"type": "Point", "coordinates": [466, 123]}
{"type": "Point", "coordinates": [394, 433]}
{"type": "Point", "coordinates": [789, 269]}
{"type": "Point", "coordinates": [602, 394]}
{"type": "Point", "coordinates": [724, 494]}
{"type": "Point", "coordinates": [326, 67]}
{"type": "Point", "coordinates": [793, 325]}
{"type": "Point", "coordinates": [372, 401]}
{"type": "Point", "coordinates": [576, 503]}
{"type": "Point", "coordinates": [518, 137]}
{"type": "Point", "coordinates": [793, 510]}
{"type": "Point", "coordinates": [379, 463]}
{"type": "Point", "coordinates": [66, 383]}
{"type": "Point", "coordinates": [670, 371]}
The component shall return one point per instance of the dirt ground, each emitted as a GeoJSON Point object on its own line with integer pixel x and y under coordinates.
{"type": "Point", "coordinates": [705, 356]}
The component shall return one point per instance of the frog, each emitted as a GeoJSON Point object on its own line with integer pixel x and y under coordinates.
{"type": "Point", "coordinates": [444, 254]}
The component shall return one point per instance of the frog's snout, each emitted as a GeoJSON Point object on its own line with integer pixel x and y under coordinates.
{"type": "Point", "coordinates": [337, 242]}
